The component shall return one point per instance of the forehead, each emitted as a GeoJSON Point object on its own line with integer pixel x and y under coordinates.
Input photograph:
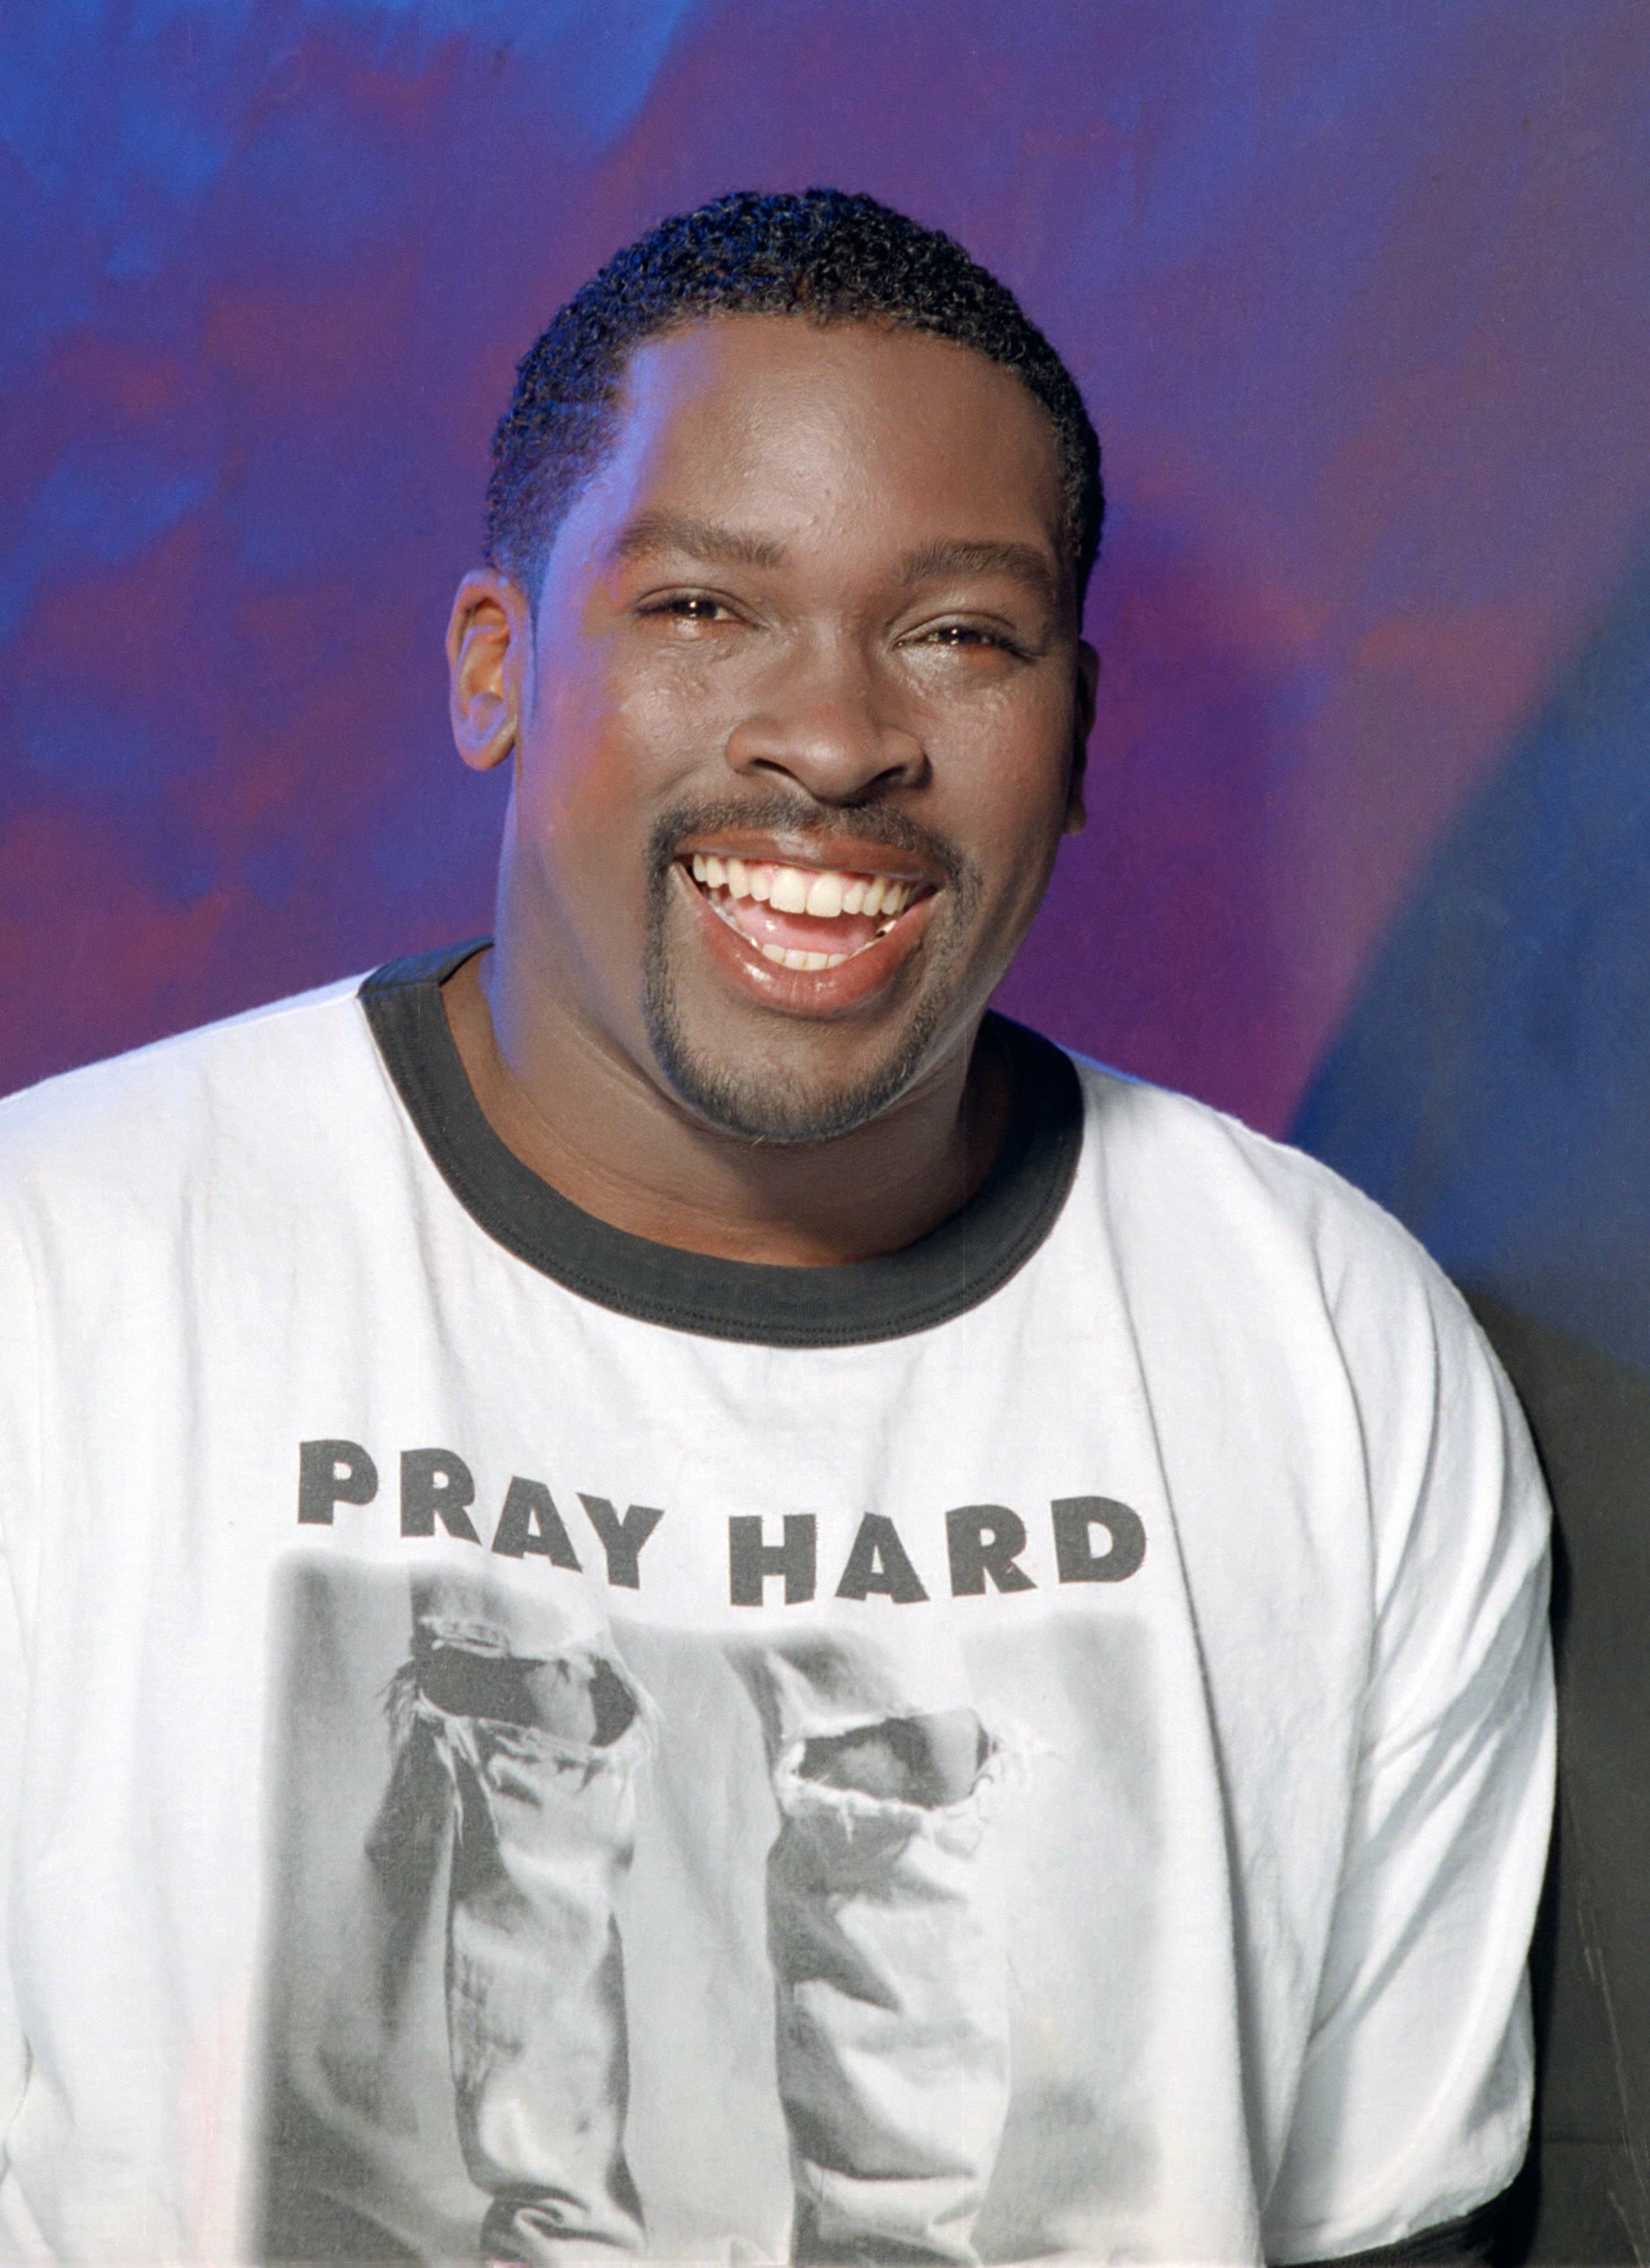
{"type": "Point", "coordinates": [843, 431]}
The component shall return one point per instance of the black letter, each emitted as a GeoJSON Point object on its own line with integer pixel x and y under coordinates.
{"type": "Point", "coordinates": [330, 1472]}
{"type": "Point", "coordinates": [622, 1539]}
{"type": "Point", "coordinates": [878, 1563]}
{"type": "Point", "coordinates": [750, 1561]}
{"type": "Point", "coordinates": [436, 1486]}
{"type": "Point", "coordinates": [1074, 1554]}
{"type": "Point", "coordinates": [984, 1539]}
{"type": "Point", "coordinates": [530, 1522]}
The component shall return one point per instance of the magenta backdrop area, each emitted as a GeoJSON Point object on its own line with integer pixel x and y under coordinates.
{"type": "Point", "coordinates": [1357, 295]}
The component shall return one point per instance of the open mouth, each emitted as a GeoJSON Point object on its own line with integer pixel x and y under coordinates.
{"type": "Point", "coordinates": [803, 917]}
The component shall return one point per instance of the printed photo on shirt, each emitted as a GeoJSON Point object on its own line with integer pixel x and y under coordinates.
{"type": "Point", "coordinates": [769, 1943]}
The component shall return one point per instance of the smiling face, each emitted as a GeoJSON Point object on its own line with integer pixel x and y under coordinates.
{"type": "Point", "coordinates": [798, 719]}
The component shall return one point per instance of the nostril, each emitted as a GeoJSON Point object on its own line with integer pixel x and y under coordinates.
{"type": "Point", "coordinates": [832, 758]}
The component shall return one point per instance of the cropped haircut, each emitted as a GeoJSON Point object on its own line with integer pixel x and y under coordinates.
{"type": "Point", "coordinates": [823, 256]}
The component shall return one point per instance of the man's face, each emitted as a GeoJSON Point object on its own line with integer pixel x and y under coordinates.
{"type": "Point", "coordinates": [798, 733]}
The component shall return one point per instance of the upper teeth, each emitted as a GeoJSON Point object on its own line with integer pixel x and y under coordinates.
{"type": "Point", "coordinates": [824, 893]}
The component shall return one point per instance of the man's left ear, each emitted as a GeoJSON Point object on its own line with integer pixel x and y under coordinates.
{"type": "Point", "coordinates": [1082, 725]}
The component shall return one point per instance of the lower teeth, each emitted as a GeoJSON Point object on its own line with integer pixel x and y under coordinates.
{"type": "Point", "coordinates": [789, 956]}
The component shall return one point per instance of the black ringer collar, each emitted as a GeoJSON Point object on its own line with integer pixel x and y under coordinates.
{"type": "Point", "coordinates": [942, 1275]}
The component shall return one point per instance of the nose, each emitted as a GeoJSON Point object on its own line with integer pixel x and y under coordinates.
{"type": "Point", "coordinates": [825, 722]}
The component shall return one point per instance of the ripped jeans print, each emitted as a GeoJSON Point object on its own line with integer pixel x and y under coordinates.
{"type": "Point", "coordinates": [889, 1950]}
{"type": "Point", "coordinates": [489, 1945]}
{"type": "Point", "coordinates": [526, 1763]}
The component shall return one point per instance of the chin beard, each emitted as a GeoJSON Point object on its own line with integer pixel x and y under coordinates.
{"type": "Point", "coordinates": [778, 1111]}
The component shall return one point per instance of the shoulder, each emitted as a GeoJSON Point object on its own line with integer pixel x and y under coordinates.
{"type": "Point", "coordinates": [1255, 1265]}
{"type": "Point", "coordinates": [122, 1132]}
{"type": "Point", "coordinates": [1195, 1181]}
{"type": "Point", "coordinates": [1252, 1263]}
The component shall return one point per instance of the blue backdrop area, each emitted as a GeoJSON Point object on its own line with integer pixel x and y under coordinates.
{"type": "Point", "coordinates": [1358, 297]}
{"type": "Point", "coordinates": [1492, 1083]}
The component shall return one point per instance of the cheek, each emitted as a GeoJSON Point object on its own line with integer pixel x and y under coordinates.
{"type": "Point", "coordinates": [1008, 798]}
{"type": "Point", "coordinates": [577, 788]}
{"type": "Point", "coordinates": [579, 824]}
{"type": "Point", "coordinates": [614, 743]}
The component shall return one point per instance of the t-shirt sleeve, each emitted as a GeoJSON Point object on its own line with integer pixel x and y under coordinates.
{"type": "Point", "coordinates": [1413, 2104]}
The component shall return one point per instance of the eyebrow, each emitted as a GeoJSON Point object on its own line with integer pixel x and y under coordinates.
{"type": "Point", "coordinates": [657, 531]}
{"type": "Point", "coordinates": [1023, 562]}
{"type": "Point", "coordinates": [701, 539]}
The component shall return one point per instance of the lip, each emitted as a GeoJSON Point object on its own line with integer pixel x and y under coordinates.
{"type": "Point", "coordinates": [814, 992]}
{"type": "Point", "coordinates": [817, 854]}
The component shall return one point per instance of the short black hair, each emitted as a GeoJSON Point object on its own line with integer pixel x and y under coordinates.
{"type": "Point", "coordinates": [822, 255]}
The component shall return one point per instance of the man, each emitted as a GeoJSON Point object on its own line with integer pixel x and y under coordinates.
{"type": "Point", "coordinates": [676, 1595]}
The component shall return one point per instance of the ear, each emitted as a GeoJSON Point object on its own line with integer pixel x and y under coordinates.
{"type": "Point", "coordinates": [490, 664]}
{"type": "Point", "coordinates": [1082, 725]}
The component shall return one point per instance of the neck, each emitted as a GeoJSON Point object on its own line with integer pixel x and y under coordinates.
{"type": "Point", "coordinates": [586, 1121]}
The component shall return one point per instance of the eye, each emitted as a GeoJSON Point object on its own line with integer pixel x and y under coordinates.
{"type": "Point", "coordinates": [689, 607]}
{"type": "Point", "coordinates": [969, 637]}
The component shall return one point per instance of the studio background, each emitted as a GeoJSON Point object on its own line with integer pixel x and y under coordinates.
{"type": "Point", "coordinates": [1360, 299]}
{"type": "Point", "coordinates": [1358, 296]}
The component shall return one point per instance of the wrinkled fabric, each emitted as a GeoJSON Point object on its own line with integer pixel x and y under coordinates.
{"type": "Point", "coordinates": [889, 1949]}
{"type": "Point", "coordinates": [496, 1855]}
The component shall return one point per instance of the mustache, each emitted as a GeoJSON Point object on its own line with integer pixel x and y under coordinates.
{"type": "Point", "coordinates": [781, 813]}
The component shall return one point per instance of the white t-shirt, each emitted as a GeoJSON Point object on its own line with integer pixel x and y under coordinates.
{"type": "Point", "coordinates": [523, 1743]}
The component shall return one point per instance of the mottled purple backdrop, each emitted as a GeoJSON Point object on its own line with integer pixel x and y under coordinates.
{"type": "Point", "coordinates": [1357, 292]}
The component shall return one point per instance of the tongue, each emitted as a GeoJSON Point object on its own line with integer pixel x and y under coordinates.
{"type": "Point", "coordinates": [799, 933]}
